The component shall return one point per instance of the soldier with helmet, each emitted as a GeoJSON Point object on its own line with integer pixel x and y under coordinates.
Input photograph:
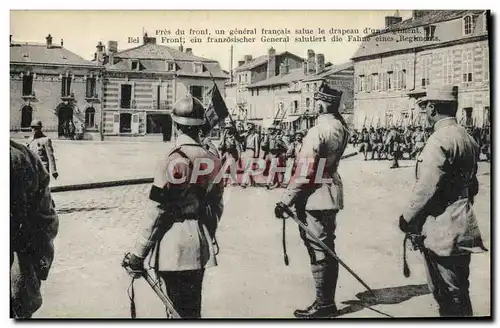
{"type": "Point", "coordinates": [41, 145]}
{"type": "Point", "coordinates": [179, 225]}
{"type": "Point", "coordinates": [318, 203]}
{"type": "Point", "coordinates": [277, 151]}
{"type": "Point", "coordinates": [229, 146]}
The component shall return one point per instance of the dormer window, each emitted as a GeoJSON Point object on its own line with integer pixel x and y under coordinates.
{"type": "Point", "coordinates": [197, 67]}
{"type": "Point", "coordinates": [429, 32]}
{"type": "Point", "coordinates": [170, 66]}
{"type": "Point", "coordinates": [468, 24]}
{"type": "Point", "coordinates": [26, 55]}
{"type": "Point", "coordinates": [135, 65]}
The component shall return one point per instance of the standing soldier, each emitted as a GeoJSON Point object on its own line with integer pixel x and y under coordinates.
{"type": "Point", "coordinates": [229, 147]}
{"type": "Point", "coordinates": [318, 203]}
{"type": "Point", "coordinates": [277, 151]}
{"type": "Point", "coordinates": [393, 146]}
{"type": "Point", "coordinates": [182, 215]}
{"type": "Point", "coordinates": [418, 141]}
{"type": "Point", "coordinates": [252, 148]}
{"type": "Point", "coordinates": [41, 145]}
{"type": "Point", "coordinates": [365, 142]}
{"type": "Point", "coordinates": [33, 227]}
{"type": "Point", "coordinates": [294, 149]}
{"type": "Point", "coordinates": [440, 208]}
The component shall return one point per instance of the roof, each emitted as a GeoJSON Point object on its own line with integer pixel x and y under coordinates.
{"type": "Point", "coordinates": [157, 51]}
{"type": "Point", "coordinates": [261, 60]}
{"type": "Point", "coordinates": [373, 46]}
{"type": "Point", "coordinates": [39, 53]}
{"type": "Point", "coordinates": [331, 70]}
{"type": "Point", "coordinates": [293, 75]}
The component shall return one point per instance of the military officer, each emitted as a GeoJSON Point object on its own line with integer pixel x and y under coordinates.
{"type": "Point", "coordinates": [252, 150]}
{"type": "Point", "coordinates": [322, 201]}
{"type": "Point", "coordinates": [41, 145]}
{"type": "Point", "coordinates": [440, 208]}
{"type": "Point", "coordinates": [33, 228]}
{"type": "Point", "coordinates": [182, 215]}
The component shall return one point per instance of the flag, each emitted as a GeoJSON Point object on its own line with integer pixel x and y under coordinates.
{"type": "Point", "coordinates": [216, 110]}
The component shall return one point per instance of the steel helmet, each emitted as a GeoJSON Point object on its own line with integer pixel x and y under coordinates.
{"type": "Point", "coordinates": [36, 124]}
{"type": "Point", "coordinates": [188, 111]}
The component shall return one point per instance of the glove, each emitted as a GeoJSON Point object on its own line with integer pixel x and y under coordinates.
{"type": "Point", "coordinates": [406, 227]}
{"type": "Point", "coordinates": [279, 210]}
{"type": "Point", "coordinates": [55, 175]}
{"type": "Point", "coordinates": [133, 264]}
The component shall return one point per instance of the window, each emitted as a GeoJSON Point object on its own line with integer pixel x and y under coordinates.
{"type": "Point", "coordinates": [383, 80]}
{"type": "Point", "coordinates": [429, 32]}
{"type": "Point", "coordinates": [397, 77]}
{"type": "Point", "coordinates": [239, 78]}
{"type": "Point", "coordinates": [26, 117]}
{"type": "Point", "coordinates": [375, 81]}
{"type": "Point", "coordinates": [308, 103]}
{"type": "Point", "coordinates": [171, 67]}
{"type": "Point", "coordinates": [257, 91]}
{"type": "Point", "coordinates": [90, 118]}
{"type": "Point", "coordinates": [197, 92]}
{"type": "Point", "coordinates": [486, 64]}
{"type": "Point", "coordinates": [447, 70]}
{"type": "Point", "coordinates": [66, 86]}
{"type": "Point", "coordinates": [468, 116]}
{"type": "Point", "coordinates": [361, 83]}
{"type": "Point", "coordinates": [402, 79]}
{"type": "Point", "coordinates": [467, 61]}
{"type": "Point", "coordinates": [426, 70]}
{"type": "Point", "coordinates": [307, 87]}
{"type": "Point", "coordinates": [126, 95]}
{"type": "Point", "coordinates": [252, 92]}
{"type": "Point", "coordinates": [368, 86]}
{"type": "Point", "coordinates": [27, 84]}
{"type": "Point", "coordinates": [315, 87]}
{"type": "Point", "coordinates": [295, 106]}
{"type": "Point", "coordinates": [90, 90]}
{"type": "Point", "coordinates": [467, 25]}
{"type": "Point", "coordinates": [135, 65]}
{"type": "Point", "coordinates": [198, 67]}
{"type": "Point", "coordinates": [389, 81]}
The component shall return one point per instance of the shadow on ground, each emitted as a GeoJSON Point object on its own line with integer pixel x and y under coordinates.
{"type": "Point", "coordinates": [390, 295]}
{"type": "Point", "coordinates": [83, 209]}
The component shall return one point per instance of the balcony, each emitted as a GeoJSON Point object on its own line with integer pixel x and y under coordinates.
{"type": "Point", "coordinates": [68, 97]}
{"type": "Point", "coordinates": [29, 96]}
{"type": "Point", "coordinates": [92, 97]}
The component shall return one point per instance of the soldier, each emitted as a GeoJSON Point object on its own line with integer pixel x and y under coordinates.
{"type": "Point", "coordinates": [486, 142]}
{"type": "Point", "coordinates": [33, 227]}
{"type": "Point", "coordinates": [440, 209]}
{"type": "Point", "coordinates": [182, 215]}
{"type": "Point", "coordinates": [326, 141]}
{"type": "Point", "coordinates": [365, 142]}
{"type": "Point", "coordinates": [229, 147]}
{"type": "Point", "coordinates": [252, 150]}
{"type": "Point", "coordinates": [418, 141]}
{"type": "Point", "coordinates": [41, 145]}
{"type": "Point", "coordinates": [277, 151]}
{"type": "Point", "coordinates": [393, 144]}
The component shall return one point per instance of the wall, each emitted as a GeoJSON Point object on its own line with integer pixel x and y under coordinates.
{"type": "Point", "coordinates": [47, 88]}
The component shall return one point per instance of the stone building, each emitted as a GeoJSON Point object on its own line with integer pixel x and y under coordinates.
{"type": "Point", "coordinates": [51, 83]}
{"type": "Point", "coordinates": [141, 84]}
{"type": "Point", "coordinates": [432, 48]}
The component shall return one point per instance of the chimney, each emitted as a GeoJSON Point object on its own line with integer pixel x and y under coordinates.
{"type": "Point", "coordinates": [320, 63]}
{"type": "Point", "coordinates": [146, 39]}
{"type": "Point", "coordinates": [271, 63]}
{"type": "Point", "coordinates": [112, 50]}
{"type": "Point", "coordinates": [49, 41]}
{"type": "Point", "coordinates": [189, 51]}
{"type": "Point", "coordinates": [99, 53]}
{"type": "Point", "coordinates": [248, 58]}
{"type": "Point", "coordinates": [391, 20]}
{"type": "Point", "coordinates": [304, 67]}
{"type": "Point", "coordinates": [311, 67]}
{"type": "Point", "coordinates": [417, 14]}
{"type": "Point", "coordinates": [241, 62]}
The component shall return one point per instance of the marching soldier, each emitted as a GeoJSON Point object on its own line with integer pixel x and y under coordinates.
{"type": "Point", "coordinates": [418, 141]}
{"type": "Point", "coordinates": [393, 144]}
{"type": "Point", "coordinates": [440, 208]}
{"type": "Point", "coordinates": [182, 215]}
{"type": "Point", "coordinates": [365, 142]}
{"type": "Point", "coordinates": [326, 141]}
{"type": "Point", "coordinates": [33, 228]}
{"type": "Point", "coordinates": [41, 145]}
{"type": "Point", "coordinates": [252, 149]}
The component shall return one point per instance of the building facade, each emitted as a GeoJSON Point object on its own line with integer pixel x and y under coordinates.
{"type": "Point", "coordinates": [432, 48]}
{"type": "Point", "coordinates": [142, 84]}
{"type": "Point", "coordinates": [50, 83]}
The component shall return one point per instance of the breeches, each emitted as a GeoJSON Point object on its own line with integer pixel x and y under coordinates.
{"type": "Point", "coordinates": [184, 289]}
{"type": "Point", "coordinates": [448, 280]}
{"type": "Point", "coordinates": [322, 224]}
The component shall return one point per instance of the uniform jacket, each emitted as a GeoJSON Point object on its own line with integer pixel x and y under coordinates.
{"type": "Point", "coordinates": [441, 202]}
{"type": "Point", "coordinates": [184, 241]}
{"type": "Point", "coordinates": [326, 140]}
{"type": "Point", "coordinates": [252, 146]}
{"type": "Point", "coordinates": [294, 149]}
{"type": "Point", "coordinates": [33, 227]}
{"type": "Point", "coordinates": [42, 146]}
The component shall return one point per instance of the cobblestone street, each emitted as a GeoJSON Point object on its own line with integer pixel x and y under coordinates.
{"type": "Point", "coordinates": [98, 226]}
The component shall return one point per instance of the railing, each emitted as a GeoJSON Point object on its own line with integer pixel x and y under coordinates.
{"type": "Point", "coordinates": [29, 95]}
{"type": "Point", "coordinates": [70, 96]}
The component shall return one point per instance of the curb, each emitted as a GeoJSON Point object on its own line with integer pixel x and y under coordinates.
{"type": "Point", "coordinates": [126, 182]}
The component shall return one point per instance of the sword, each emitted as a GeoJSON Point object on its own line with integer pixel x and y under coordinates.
{"type": "Point", "coordinates": [164, 298]}
{"type": "Point", "coordinates": [292, 215]}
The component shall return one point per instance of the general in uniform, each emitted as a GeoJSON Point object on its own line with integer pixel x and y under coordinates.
{"type": "Point", "coordinates": [327, 140]}
{"type": "Point", "coordinates": [252, 150]}
{"type": "Point", "coordinates": [33, 228]}
{"type": "Point", "coordinates": [440, 208]}
{"type": "Point", "coordinates": [41, 145]}
{"type": "Point", "coordinates": [178, 228]}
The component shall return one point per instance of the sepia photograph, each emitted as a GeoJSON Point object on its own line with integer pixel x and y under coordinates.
{"type": "Point", "coordinates": [250, 164]}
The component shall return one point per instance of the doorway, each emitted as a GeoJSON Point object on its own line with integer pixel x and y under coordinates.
{"type": "Point", "coordinates": [65, 121]}
{"type": "Point", "coordinates": [125, 123]}
{"type": "Point", "coordinates": [468, 116]}
{"type": "Point", "coordinates": [160, 123]}
{"type": "Point", "coordinates": [26, 117]}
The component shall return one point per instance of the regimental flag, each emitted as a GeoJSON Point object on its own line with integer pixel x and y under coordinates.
{"type": "Point", "coordinates": [216, 110]}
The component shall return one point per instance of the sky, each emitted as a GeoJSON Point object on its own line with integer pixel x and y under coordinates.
{"type": "Point", "coordinates": [81, 30]}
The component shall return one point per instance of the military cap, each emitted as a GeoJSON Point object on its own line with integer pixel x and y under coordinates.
{"type": "Point", "coordinates": [188, 111]}
{"type": "Point", "coordinates": [36, 124]}
{"type": "Point", "coordinates": [327, 94]}
{"type": "Point", "coordinates": [439, 94]}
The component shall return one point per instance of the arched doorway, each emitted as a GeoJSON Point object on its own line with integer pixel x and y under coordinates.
{"type": "Point", "coordinates": [26, 117]}
{"type": "Point", "coordinates": [65, 121]}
